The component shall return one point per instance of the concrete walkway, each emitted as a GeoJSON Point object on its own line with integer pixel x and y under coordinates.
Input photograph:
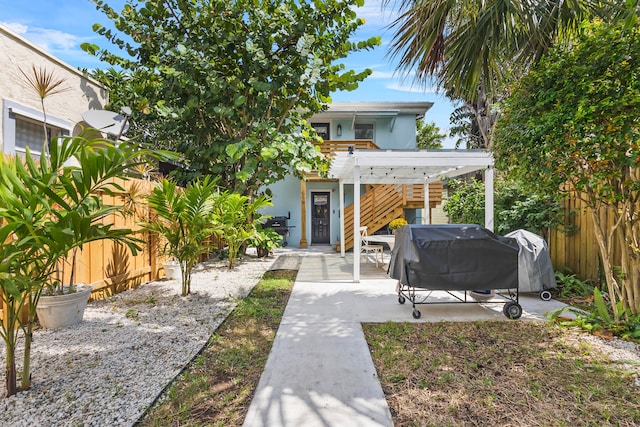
{"type": "Point", "coordinates": [320, 371]}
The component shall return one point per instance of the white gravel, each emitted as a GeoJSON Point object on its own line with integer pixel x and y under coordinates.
{"type": "Point", "coordinates": [108, 369]}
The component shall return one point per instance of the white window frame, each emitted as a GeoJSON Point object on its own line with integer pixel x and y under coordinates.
{"type": "Point", "coordinates": [11, 109]}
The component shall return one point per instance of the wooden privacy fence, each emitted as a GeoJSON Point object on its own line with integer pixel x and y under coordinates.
{"type": "Point", "coordinates": [111, 267]}
{"type": "Point", "coordinates": [579, 250]}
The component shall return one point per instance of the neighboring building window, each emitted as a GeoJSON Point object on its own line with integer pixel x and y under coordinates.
{"type": "Point", "coordinates": [22, 128]}
{"type": "Point", "coordinates": [31, 134]}
{"type": "Point", "coordinates": [363, 131]}
{"type": "Point", "coordinates": [322, 129]}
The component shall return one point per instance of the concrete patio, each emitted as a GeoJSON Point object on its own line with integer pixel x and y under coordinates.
{"type": "Point", "coordinates": [320, 371]}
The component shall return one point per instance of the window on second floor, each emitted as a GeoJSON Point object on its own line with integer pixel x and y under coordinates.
{"type": "Point", "coordinates": [322, 129]}
{"type": "Point", "coordinates": [363, 131]}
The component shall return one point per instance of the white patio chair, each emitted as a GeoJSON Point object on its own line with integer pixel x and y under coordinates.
{"type": "Point", "coordinates": [367, 247]}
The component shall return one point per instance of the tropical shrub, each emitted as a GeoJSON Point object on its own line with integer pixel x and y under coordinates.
{"type": "Point", "coordinates": [515, 207]}
{"type": "Point", "coordinates": [48, 209]}
{"type": "Point", "coordinates": [571, 127]}
{"type": "Point", "coordinates": [239, 219]}
{"type": "Point", "coordinates": [184, 218]}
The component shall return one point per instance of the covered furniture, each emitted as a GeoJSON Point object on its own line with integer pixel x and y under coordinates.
{"type": "Point", "coordinates": [535, 270]}
{"type": "Point", "coordinates": [455, 257]}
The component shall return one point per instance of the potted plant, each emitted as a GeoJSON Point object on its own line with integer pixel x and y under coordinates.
{"type": "Point", "coordinates": [184, 219]}
{"type": "Point", "coordinates": [240, 218]}
{"type": "Point", "coordinates": [397, 223]}
{"type": "Point", "coordinates": [49, 210]}
{"type": "Point", "coordinates": [265, 241]}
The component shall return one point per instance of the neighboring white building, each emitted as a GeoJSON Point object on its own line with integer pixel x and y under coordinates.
{"type": "Point", "coordinates": [21, 117]}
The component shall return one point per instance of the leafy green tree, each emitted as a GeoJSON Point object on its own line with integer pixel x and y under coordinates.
{"type": "Point", "coordinates": [429, 136]}
{"type": "Point", "coordinates": [229, 84]}
{"type": "Point", "coordinates": [465, 127]}
{"type": "Point", "coordinates": [474, 49]}
{"type": "Point", "coordinates": [572, 126]}
{"type": "Point", "coordinates": [465, 202]}
{"type": "Point", "coordinates": [516, 207]}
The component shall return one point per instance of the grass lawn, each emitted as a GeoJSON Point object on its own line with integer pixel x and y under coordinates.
{"type": "Point", "coordinates": [502, 373]}
{"type": "Point", "coordinates": [515, 373]}
{"type": "Point", "coordinates": [217, 388]}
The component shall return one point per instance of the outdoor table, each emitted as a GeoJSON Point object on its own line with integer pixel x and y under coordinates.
{"type": "Point", "coordinates": [389, 239]}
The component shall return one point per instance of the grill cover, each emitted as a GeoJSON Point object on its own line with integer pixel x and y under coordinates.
{"type": "Point", "coordinates": [535, 270]}
{"type": "Point", "coordinates": [454, 257]}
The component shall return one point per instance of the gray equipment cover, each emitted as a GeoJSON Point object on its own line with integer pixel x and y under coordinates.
{"type": "Point", "coordinates": [454, 257]}
{"type": "Point", "coordinates": [535, 271]}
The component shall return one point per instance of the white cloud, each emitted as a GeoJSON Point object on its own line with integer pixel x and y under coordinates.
{"type": "Point", "coordinates": [375, 15]}
{"type": "Point", "coordinates": [53, 41]}
{"type": "Point", "coordinates": [381, 74]}
{"type": "Point", "coordinates": [411, 87]}
{"type": "Point", "coordinates": [16, 27]}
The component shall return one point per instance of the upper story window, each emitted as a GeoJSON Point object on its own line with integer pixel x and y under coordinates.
{"type": "Point", "coordinates": [323, 130]}
{"type": "Point", "coordinates": [363, 131]}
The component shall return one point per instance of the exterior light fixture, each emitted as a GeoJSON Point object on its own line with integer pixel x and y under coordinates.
{"type": "Point", "coordinates": [339, 130]}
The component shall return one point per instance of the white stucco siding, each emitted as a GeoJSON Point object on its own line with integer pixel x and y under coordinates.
{"type": "Point", "coordinates": [17, 54]}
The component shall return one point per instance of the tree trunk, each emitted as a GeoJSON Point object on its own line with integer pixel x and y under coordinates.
{"type": "Point", "coordinates": [613, 287]}
{"type": "Point", "coordinates": [25, 382]}
{"type": "Point", "coordinates": [11, 337]}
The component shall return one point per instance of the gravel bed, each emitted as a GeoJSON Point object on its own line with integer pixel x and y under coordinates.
{"type": "Point", "coordinates": [107, 370]}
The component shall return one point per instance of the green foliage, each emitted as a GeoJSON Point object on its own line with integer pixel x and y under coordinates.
{"type": "Point", "coordinates": [230, 84]}
{"type": "Point", "coordinates": [428, 136]}
{"type": "Point", "coordinates": [240, 220]}
{"type": "Point", "coordinates": [574, 118]}
{"type": "Point", "coordinates": [570, 286]}
{"type": "Point", "coordinates": [184, 218]}
{"type": "Point", "coordinates": [515, 208]}
{"type": "Point", "coordinates": [48, 209]}
{"type": "Point", "coordinates": [266, 240]}
{"type": "Point", "coordinates": [599, 319]}
{"type": "Point", "coordinates": [465, 202]}
{"type": "Point", "coordinates": [571, 125]}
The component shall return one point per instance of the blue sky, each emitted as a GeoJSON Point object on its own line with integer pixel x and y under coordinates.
{"type": "Point", "coordinates": [62, 28]}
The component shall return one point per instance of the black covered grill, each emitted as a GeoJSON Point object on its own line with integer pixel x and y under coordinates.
{"type": "Point", "coordinates": [280, 225]}
{"type": "Point", "coordinates": [461, 260]}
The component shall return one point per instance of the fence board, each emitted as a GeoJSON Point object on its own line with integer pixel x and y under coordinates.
{"type": "Point", "coordinates": [579, 251]}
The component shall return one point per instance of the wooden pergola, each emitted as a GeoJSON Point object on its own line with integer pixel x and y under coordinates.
{"type": "Point", "coordinates": [358, 167]}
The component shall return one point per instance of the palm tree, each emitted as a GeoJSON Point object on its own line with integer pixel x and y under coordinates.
{"type": "Point", "coordinates": [474, 48]}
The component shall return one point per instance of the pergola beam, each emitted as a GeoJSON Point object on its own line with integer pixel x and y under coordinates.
{"type": "Point", "coordinates": [405, 167]}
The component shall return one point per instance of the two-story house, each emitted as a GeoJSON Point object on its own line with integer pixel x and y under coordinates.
{"type": "Point", "coordinates": [312, 205]}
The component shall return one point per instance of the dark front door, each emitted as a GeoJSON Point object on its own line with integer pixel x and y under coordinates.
{"type": "Point", "coordinates": [320, 225]}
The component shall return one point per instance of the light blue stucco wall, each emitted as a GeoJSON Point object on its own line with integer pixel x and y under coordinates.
{"type": "Point", "coordinates": [286, 201]}
{"type": "Point", "coordinates": [286, 193]}
{"type": "Point", "coordinates": [402, 136]}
